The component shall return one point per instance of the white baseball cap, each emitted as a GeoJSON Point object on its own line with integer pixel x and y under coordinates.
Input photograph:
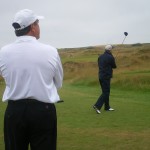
{"type": "Point", "coordinates": [25, 18]}
{"type": "Point", "coordinates": [109, 47]}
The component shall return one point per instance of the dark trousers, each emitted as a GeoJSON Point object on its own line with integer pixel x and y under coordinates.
{"type": "Point", "coordinates": [30, 122]}
{"type": "Point", "coordinates": [104, 97]}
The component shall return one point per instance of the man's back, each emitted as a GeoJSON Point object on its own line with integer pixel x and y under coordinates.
{"type": "Point", "coordinates": [106, 62]}
{"type": "Point", "coordinates": [30, 70]}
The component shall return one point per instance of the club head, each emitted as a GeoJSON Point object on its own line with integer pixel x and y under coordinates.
{"type": "Point", "coordinates": [126, 33]}
{"type": "Point", "coordinates": [60, 101]}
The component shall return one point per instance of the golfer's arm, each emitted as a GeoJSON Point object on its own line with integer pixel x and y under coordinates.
{"type": "Point", "coordinates": [58, 78]}
{"type": "Point", "coordinates": [113, 63]}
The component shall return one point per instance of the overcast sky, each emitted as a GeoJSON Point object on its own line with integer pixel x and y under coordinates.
{"type": "Point", "coordinates": [80, 23]}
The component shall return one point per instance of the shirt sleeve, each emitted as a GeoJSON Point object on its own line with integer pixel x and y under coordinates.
{"type": "Point", "coordinates": [58, 78]}
{"type": "Point", "coordinates": [113, 63]}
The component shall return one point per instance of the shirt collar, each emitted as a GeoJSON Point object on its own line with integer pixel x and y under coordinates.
{"type": "Point", "coordinates": [108, 52]}
{"type": "Point", "coordinates": [25, 38]}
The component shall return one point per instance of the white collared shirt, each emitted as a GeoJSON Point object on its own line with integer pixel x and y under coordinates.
{"type": "Point", "coordinates": [31, 70]}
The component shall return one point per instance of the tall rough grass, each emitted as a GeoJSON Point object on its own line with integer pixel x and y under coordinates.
{"type": "Point", "coordinates": [133, 70]}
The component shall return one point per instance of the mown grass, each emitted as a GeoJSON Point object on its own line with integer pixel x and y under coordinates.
{"type": "Point", "coordinates": [79, 127]}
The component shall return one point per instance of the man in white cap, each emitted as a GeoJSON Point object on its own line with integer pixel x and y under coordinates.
{"type": "Point", "coordinates": [106, 63]}
{"type": "Point", "coordinates": [32, 72]}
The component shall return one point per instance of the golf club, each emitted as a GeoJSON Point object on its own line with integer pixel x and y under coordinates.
{"type": "Point", "coordinates": [60, 101]}
{"type": "Point", "coordinates": [126, 34]}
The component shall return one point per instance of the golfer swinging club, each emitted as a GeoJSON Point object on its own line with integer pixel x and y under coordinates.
{"type": "Point", "coordinates": [106, 63]}
{"type": "Point", "coordinates": [32, 72]}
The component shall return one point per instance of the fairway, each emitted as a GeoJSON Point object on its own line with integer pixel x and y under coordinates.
{"type": "Point", "coordinates": [80, 128]}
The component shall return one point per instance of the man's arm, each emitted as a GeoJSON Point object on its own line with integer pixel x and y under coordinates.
{"type": "Point", "coordinates": [58, 79]}
{"type": "Point", "coordinates": [113, 63]}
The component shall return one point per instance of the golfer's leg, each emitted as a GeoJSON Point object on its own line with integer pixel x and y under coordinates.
{"type": "Point", "coordinates": [15, 129]}
{"type": "Point", "coordinates": [107, 93]}
{"type": "Point", "coordinates": [100, 100]}
{"type": "Point", "coordinates": [43, 127]}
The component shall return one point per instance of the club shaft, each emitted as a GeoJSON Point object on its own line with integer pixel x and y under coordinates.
{"type": "Point", "coordinates": [123, 40]}
{"type": "Point", "coordinates": [121, 43]}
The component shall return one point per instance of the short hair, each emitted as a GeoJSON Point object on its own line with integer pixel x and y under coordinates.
{"type": "Point", "coordinates": [20, 32]}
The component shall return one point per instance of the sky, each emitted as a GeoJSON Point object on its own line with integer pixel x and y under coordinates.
{"type": "Point", "coordinates": [82, 23]}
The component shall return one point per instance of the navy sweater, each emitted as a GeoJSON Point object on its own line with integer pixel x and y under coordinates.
{"type": "Point", "coordinates": [106, 63]}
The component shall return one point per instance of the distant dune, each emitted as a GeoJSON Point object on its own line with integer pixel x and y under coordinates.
{"type": "Point", "coordinates": [133, 65]}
